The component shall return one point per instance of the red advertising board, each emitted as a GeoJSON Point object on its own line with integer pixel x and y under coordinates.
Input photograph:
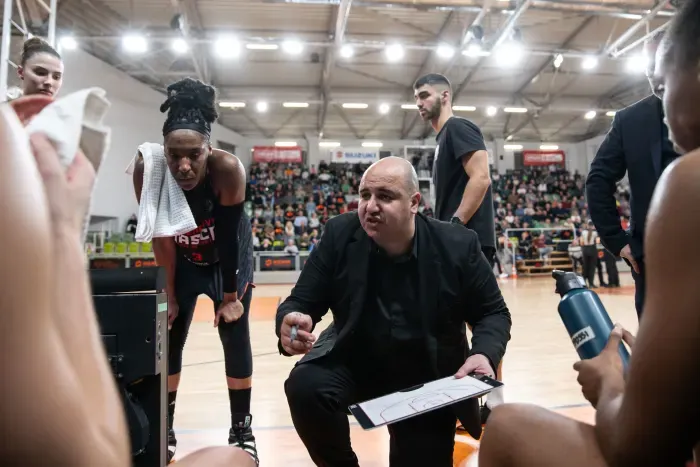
{"type": "Point", "coordinates": [543, 157]}
{"type": "Point", "coordinates": [275, 154]}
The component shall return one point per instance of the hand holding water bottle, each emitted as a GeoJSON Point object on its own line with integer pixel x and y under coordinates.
{"type": "Point", "coordinates": [604, 372]}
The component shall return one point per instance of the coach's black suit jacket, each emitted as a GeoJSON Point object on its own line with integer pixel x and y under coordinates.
{"type": "Point", "coordinates": [456, 285]}
{"type": "Point", "coordinates": [633, 145]}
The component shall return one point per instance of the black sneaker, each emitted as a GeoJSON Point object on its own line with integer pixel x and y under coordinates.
{"type": "Point", "coordinates": [172, 444]}
{"type": "Point", "coordinates": [241, 436]}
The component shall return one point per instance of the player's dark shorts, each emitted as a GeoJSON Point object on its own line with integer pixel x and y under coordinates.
{"type": "Point", "coordinates": [191, 281]}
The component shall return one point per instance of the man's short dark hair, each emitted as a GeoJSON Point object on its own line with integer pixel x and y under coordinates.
{"type": "Point", "coordinates": [431, 80]}
{"type": "Point", "coordinates": [683, 36]}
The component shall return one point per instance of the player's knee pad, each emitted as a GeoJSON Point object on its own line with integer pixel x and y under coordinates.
{"type": "Point", "coordinates": [238, 357]}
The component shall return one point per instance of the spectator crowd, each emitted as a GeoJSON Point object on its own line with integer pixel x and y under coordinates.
{"type": "Point", "coordinates": [289, 204]}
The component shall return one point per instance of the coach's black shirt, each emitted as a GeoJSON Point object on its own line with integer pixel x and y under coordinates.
{"type": "Point", "coordinates": [457, 138]}
{"type": "Point", "coordinates": [390, 334]}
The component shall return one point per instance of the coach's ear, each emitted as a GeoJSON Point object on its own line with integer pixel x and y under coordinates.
{"type": "Point", "coordinates": [26, 107]}
{"type": "Point", "coordinates": [415, 202]}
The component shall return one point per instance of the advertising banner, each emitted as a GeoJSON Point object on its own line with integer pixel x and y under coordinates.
{"type": "Point", "coordinates": [277, 263]}
{"type": "Point", "coordinates": [143, 263]}
{"type": "Point", "coordinates": [107, 263]}
{"type": "Point", "coordinates": [543, 157]}
{"type": "Point", "coordinates": [354, 155]}
{"type": "Point", "coordinates": [275, 154]}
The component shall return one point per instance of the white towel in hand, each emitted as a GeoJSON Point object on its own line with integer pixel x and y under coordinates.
{"type": "Point", "coordinates": [76, 122]}
{"type": "Point", "coordinates": [163, 208]}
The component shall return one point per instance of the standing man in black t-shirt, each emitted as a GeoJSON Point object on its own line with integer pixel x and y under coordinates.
{"type": "Point", "coordinates": [461, 175]}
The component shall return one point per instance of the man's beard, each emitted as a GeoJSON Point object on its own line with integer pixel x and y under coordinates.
{"type": "Point", "coordinates": [434, 112]}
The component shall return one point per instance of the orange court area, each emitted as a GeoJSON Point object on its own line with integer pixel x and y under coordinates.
{"type": "Point", "coordinates": [537, 371]}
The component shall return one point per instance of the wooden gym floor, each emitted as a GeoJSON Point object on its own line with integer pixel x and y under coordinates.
{"type": "Point", "coordinates": [537, 369]}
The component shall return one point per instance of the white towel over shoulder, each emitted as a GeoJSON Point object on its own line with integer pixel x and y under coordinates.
{"type": "Point", "coordinates": [163, 209]}
{"type": "Point", "coordinates": [76, 122]}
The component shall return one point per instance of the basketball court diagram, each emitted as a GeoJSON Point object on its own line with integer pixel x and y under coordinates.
{"type": "Point", "coordinates": [423, 398]}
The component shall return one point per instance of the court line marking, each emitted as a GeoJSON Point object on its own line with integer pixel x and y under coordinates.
{"type": "Point", "coordinates": [264, 354]}
{"type": "Point", "coordinates": [190, 431]}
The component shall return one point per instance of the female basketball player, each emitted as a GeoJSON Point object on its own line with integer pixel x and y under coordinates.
{"type": "Point", "coordinates": [41, 68]}
{"type": "Point", "coordinates": [216, 258]}
{"type": "Point", "coordinates": [651, 416]}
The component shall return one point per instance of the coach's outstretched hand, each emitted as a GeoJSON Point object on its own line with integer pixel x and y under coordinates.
{"type": "Point", "coordinates": [304, 339]}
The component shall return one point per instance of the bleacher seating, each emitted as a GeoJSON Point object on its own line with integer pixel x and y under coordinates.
{"type": "Point", "coordinates": [539, 211]}
{"type": "Point", "coordinates": [290, 203]}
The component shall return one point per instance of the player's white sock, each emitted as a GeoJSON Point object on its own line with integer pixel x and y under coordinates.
{"type": "Point", "coordinates": [494, 398]}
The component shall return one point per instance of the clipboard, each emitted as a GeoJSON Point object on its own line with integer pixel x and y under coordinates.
{"type": "Point", "coordinates": [419, 399]}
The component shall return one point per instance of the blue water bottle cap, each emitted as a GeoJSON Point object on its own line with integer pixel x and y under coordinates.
{"type": "Point", "coordinates": [567, 281]}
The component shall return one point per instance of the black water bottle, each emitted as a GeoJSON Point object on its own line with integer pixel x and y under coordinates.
{"type": "Point", "coordinates": [584, 317]}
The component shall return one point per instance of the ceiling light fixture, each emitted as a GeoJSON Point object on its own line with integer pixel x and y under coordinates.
{"type": "Point", "coordinates": [227, 47]}
{"type": "Point", "coordinates": [509, 53]}
{"type": "Point", "coordinates": [134, 43]}
{"type": "Point", "coordinates": [445, 51]}
{"type": "Point", "coordinates": [589, 63]}
{"type": "Point", "coordinates": [68, 43]}
{"type": "Point", "coordinates": [179, 46]}
{"type": "Point", "coordinates": [231, 105]}
{"type": "Point", "coordinates": [354, 105]}
{"type": "Point", "coordinates": [347, 51]}
{"type": "Point", "coordinates": [394, 52]}
{"type": "Point", "coordinates": [293, 47]}
{"type": "Point", "coordinates": [258, 46]}
{"type": "Point", "coordinates": [637, 63]}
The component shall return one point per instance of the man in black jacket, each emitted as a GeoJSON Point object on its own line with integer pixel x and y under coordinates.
{"type": "Point", "coordinates": [401, 287]}
{"type": "Point", "coordinates": [637, 144]}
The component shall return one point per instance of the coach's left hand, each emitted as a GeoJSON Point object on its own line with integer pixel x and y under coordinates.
{"type": "Point", "coordinates": [477, 363]}
{"type": "Point", "coordinates": [230, 311]}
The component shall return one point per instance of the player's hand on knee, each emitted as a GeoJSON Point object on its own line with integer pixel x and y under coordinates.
{"type": "Point", "coordinates": [303, 340]}
{"type": "Point", "coordinates": [68, 191]}
{"type": "Point", "coordinates": [229, 312]}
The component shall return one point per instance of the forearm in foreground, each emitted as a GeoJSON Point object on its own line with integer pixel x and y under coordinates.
{"type": "Point", "coordinates": [75, 320]}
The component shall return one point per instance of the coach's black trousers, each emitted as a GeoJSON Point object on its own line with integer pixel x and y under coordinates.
{"type": "Point", "coordinates": [319, 393]}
